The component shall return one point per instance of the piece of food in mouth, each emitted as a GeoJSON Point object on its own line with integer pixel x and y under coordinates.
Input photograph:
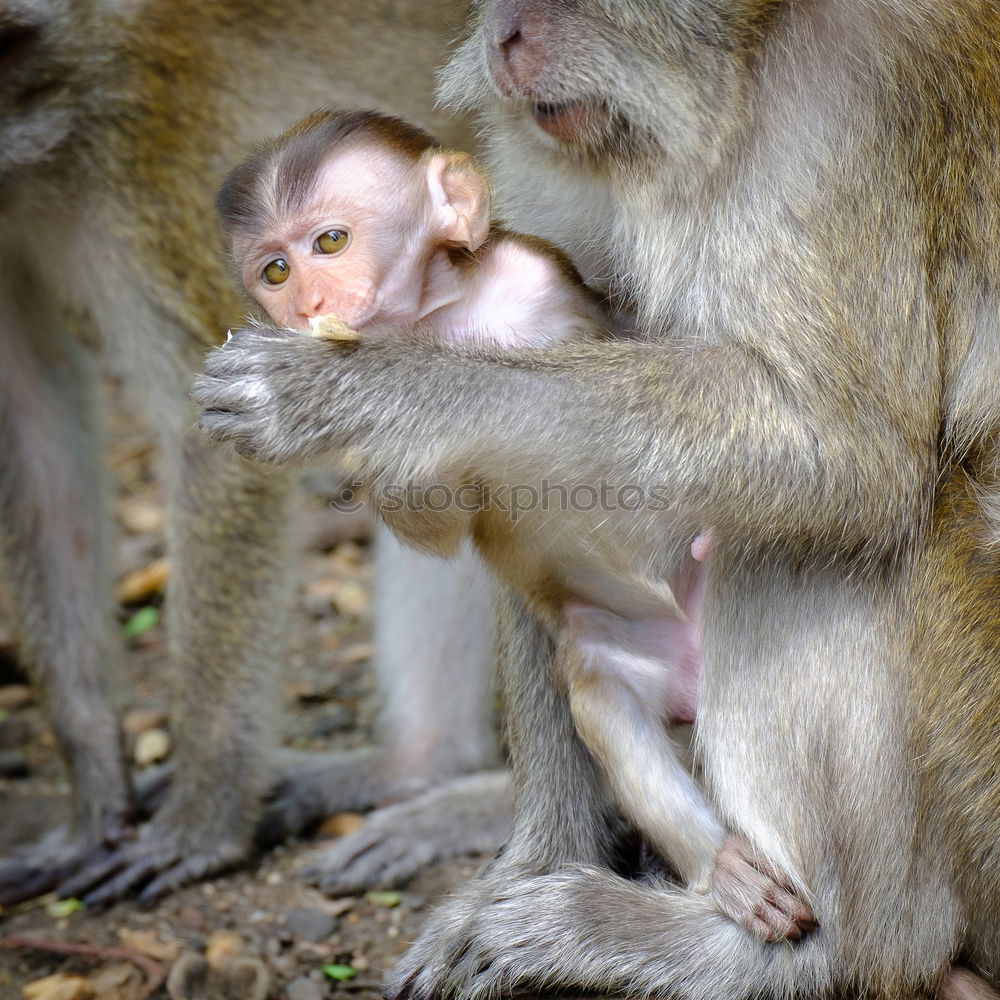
{"type": "Point", "coordinates": [332, 327]}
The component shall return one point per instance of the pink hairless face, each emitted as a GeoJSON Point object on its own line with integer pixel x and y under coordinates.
{"type": "Point", "coordinates": [329, 255]}
{"type": "Point", "coordinates": [364, 243]}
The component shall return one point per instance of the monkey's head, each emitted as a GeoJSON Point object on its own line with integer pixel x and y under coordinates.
{"type": "Point", "coordinates": [624, 81]}
{"type": "Point", "coordinates": [602, 116]}
{"type": "Point", "coordinates": [347, 213]}
{"type": "Point", "coordinates": [47, 62]}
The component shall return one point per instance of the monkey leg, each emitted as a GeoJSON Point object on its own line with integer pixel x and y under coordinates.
{"type": "Point", "coordinates": [626, 678]}
{"type": "Point", "coordinates": [585, 929]}
{"type": "Point", "coordinates": [436, 744]}
{"type": "Point", "coordinates": [658, 794]}
{"type": "Point", "coordinates": [551, 915]}
{"type": "Point", "coordinates": [562, 812]}
{"type": "Point", "coordinates": [54, 547]}
{"type": "Point", "coordinates": [229, 601]}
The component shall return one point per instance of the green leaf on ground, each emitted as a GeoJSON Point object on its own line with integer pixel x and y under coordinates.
{"type": "Point", "coordinates": [141, 622]}
{"type": "Point", "coordinates": [339, 972]}
{"type": "Point", "coordinates": [387, 899]}
{"type": "Point", "coordinates": [64, 907]}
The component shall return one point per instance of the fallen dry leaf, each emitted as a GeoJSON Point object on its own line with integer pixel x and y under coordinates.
{"type": "Point", "coordinates": [59, 987]}
{"type": "Point", "coordinates": [349, 555]}
{"type": "Point", "coordinates": [357, 652]}
{"type": "Point", "coordinates": [149, 944]}
{"type": "Point", "coordinates": [342, 824]}
{"type": "Point", "coordinates": [222, 948]}
{"type": "Point", "coordinates": [352, 600]}
{"type": "Point", "coordinates": [120, 981]}
{"type": "Point", "coordinates": [143, 583]}
{"type": "Point", "coordinates": [325, 588]}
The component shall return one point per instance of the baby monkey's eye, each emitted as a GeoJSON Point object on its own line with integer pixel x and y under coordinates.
{"type": "Point", "coordinates": [332, 241]}
{"type": "Point", "coordinates": [276, 271]}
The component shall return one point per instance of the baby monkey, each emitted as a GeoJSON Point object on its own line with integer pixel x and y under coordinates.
{"type": "Point", "coordinates": [352, 223]}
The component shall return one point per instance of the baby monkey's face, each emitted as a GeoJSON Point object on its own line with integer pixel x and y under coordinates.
{"type": "Point", "coordinates": [340, 251]}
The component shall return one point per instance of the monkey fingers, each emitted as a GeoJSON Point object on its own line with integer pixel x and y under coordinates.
{"type": "Point", "coordinates": [747, 888]}
{"type": "Point", "coordinates": [251, 394]}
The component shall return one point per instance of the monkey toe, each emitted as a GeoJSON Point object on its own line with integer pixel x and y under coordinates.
{"type": "Point", "coordinates": [791, 910]}
{"type": "Point", "coordinates": [154, 864]}
{"type": "Point", "coordinates": [123, 883]}
{"type": "Point", "coordinates": [43, 866]}
{"type": "Point", "coordinates": [367, 860]}
{"type": "Point", "coordinates": [784, 921]}
{"type": "Point", "coordinates": [102, 864]}
{"type": "Point", "coordinates": [762, 899]}
{"type": "Point", "coordinates": [189, 870]}
{"type": "Point", "coordinates": [21, 879]}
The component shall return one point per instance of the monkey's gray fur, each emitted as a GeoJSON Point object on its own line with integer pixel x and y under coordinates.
{"type": "Point", "coordinates": [801, 201]}
{"type": "Point", "coordinates": [117, 123]}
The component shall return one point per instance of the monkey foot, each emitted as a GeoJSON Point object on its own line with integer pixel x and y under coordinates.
{"type": "Point", "coordinates": [747, 888]}
{"type": "Point", "coordinates": [193, 978]}
{"type": "Point", "coordinates": [157, 861]}
{"type": "Point", "coordinates": [41, 867]}
{"type": "Point", "coordinates": [468, 814]}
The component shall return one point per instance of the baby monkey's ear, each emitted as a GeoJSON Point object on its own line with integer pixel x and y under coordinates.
{"type": "Point", "coordinates": [460, 197]}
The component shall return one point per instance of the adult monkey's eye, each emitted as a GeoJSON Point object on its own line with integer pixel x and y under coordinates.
{"type": "Point", "coordinates": [332, 241]}
{"type": "Point", "coordinates": [276, 271]}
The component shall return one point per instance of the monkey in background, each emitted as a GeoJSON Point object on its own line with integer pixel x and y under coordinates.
{"type": "Point", "coordinates": [364, 217]}
{"type": "Point", "coordinates": [117, 122]}
{"type": "Point", "coordinates": [802, 201]}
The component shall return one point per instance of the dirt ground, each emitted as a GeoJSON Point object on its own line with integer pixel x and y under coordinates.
{"type": "Point", "coordinates": [266, 913]}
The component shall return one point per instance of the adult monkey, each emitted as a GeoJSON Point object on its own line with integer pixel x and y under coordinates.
{"type": "Point", "coordinates": [802, 200]}
{"type": "Point", "coordinates": [117, 122]}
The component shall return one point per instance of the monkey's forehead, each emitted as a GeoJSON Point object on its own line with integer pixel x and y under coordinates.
{"type": "Point", "coordinates": [351, 186]}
